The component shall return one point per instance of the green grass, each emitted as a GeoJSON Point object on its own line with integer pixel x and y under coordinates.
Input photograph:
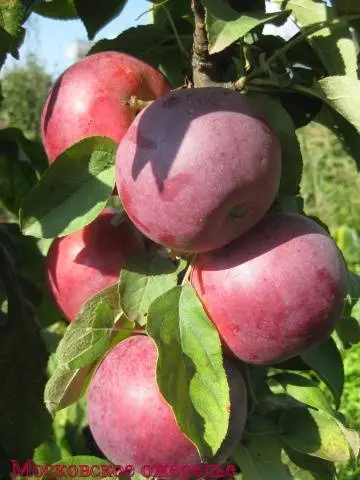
{"type": "Point", "coordinates": [350, 405]}
{"type": "Point", "coordinates": [330, 185]}
{"type": "Point", "coordinates": [331, 191]}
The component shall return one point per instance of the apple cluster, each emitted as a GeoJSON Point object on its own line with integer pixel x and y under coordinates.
{"type": "Point", "coordinates": [197, 171]}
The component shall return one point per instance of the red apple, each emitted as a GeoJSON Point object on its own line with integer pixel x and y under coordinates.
{"type": "Point", "coordinates": [130, 420]}
{"type": "Point", "coordinates": [89, 99]}
{"type": "Point", "coordinates": [87, 261]}
{"type": "Point", "coordinates": [274, 292]}
{"type": "Point", "coordinates": [198, 168]}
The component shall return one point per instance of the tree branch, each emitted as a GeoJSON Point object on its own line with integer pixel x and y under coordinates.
{"type": "Point", "coordinates": [203, 64]}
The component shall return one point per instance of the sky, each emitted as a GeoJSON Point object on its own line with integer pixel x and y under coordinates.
{"type": "Point", "coordinates": [54, 41]}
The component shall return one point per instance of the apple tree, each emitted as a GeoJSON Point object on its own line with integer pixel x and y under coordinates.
{"type": "Point", "coordinates": [165, 299]}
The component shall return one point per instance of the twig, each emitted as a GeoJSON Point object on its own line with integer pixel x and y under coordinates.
{"type": "Point", "coordinates": [307, 32]}
{"type": "Point", "coordinates": [207, 69]}
{"type": "Point", "coordinates": [136, 104]}
{"type": "Point", "coordinates": [257, 76]}
{"type": "Point", "coordinates": [176, 33]}
{"type": "Point", "coordinates": [152, 9]}
{"type": "Point", "coordinates": [258, 84]}
{"type": "Point", "coordinates": [203, 64]}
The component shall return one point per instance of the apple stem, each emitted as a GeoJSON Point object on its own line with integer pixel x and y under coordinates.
{"type": "Point", "coordinates": [136, 104]}
{"type": "Point", "coordinates": [188, 270]}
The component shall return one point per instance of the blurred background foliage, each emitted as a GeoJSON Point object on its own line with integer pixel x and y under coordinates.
{"type": "Point", "coordinates": [331, 191]}
{"type": "Point", "coordinates": [24, 88]}
{"type": "Point", "coordinates": [330, 184]}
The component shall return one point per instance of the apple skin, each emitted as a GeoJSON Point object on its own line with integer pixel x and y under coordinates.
{"type": "Point", "coordinates": [131, 422]}
{"type": "Point", "coordinates": [88, 99]}
{"type": "Point", "coordinates": [274, 292]}
{"type": "Point", "coordinates": [85, 262]}
{"type": "Point", "coordinates": [198, 168]}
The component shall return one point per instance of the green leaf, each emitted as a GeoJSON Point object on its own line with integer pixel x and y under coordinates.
{"type": "Point", "coordinates": [302, 389]}
{"type": "Point", "coordinates": [173, 65]}
{"type": "Point", "coordinates": [314, 433]}
{"type": "Point", "coordinates": [48, 452]}
{"type": "Point", "coordinates": [260, 459]}
{"type": "Point", "coordinates": [347, 6]}
{"type": "Point", "coordinates": [98, 326]}
{"type": "Point", "coordinates": [10, 288]}
{"type": "Point", "coordinates": [65, 387]}
{"type": "Point", "coordinates": [273, 403]}
{"type": "Point", "coordinates": [114, 202]}
{"type": "Point", "coordinates": [88, 337]}
{"type": "Point", "coordinates": [147, 42]}
{"type": "Point", "coordinates": [18, 173]}
{"type": "Point", "coordinates": [341, 94]}
{"type": "Point", "coordinates": [52, 335]}
{"type": "Point", "coordinates": [348, 329]}
{"type": "Point", "coordinates": [302, 109]}
{"type": "Point", "coordinates": [334, 45]}
{"type": "Point", "coordinates": [59, 9]}
{"type": "Point", "coordinates": [67, 435]}
{"type": "Point", "coordinates": [293, 363]}
{"type": "Point", "coordinates": [305, 467]}
{"type": "Point", "coordinates": [143, 278]}
{"type": "Point", "coordinates": [256, 382]}
{"type": "Point", "coordinates": [73, 191]}
{"type": "Point", "coordinates": [326, 360]}
{"type": "Point", "coordinates": [354, 287]}
{"type": "Point", "coordinates": [22, 363]}
{"type": "Point", "coordinates": [8, 44]}
{"type": "Point", "coordinates": [27, 261]}
{"type": "Point", "coordinates": [348, 241]}
{"type": "Point", "coordinates": [225, 25]}
{"type": "Point", "coordinates": [306, 12]}
{"type": "Point", "coordinates": [303, 55]}
{"type": "Point", "coordinates": [353, 440]}
{"type": "Point", "coordinates": [69, 424]}
{"type": "Point", "coordinates": [179, 12]}
{"type": "Point", "coordinates": [291, 204]}
{"type": "Point", "coordinates": [12, 15]}
{"type": "Point", "coordinates": [190, 371]}
{"type": "Point", "coordinates": [284, 128]}
{"type": "Point", "coordinates": [154, 45]}
{"type": "Point", "coordinates": [95, 18]}
{"type": "Point", "coordinates": [346, 133]}
{"type": "Point", "coordinates": [248, 5]}
{"type": "Point", "coordinates": [355, 25]}
{"type": "Point", "coordinates": [336, 49]}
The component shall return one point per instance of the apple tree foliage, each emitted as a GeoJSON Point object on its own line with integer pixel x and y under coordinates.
{"type": "Point", "coordinates": [294, 428]}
